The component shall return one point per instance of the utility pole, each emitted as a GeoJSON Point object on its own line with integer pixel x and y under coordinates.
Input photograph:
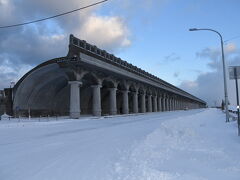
{"type": "Point", "coordinates": [234, 73]}
{"type": "Point", "coordinates": [224, 69]}
{"type": "Point", "coordinates": [236, 82]}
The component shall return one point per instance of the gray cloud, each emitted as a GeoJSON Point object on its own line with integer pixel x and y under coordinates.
{"type": "Point", "coordinates": [171, 58]}
{"type": "Point", "coordinates": [176, 74]}
{"type": "Point", "coordinates": [209, 86]}
{"type": "Point", "coordinates": [24, 47]}
{"type": "Point", "coordinates": [211, 53]}
{"type": "Point", "coordinates": [168, 59]}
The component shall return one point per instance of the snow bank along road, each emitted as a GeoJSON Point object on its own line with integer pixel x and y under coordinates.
{"type": "Point", "coordinates": [194, 144]}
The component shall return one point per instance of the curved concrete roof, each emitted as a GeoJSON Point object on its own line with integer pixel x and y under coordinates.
{"type": "Point", "coordinates": [38, 87]}
{"type": "Point", "coordinates": [42, 86]}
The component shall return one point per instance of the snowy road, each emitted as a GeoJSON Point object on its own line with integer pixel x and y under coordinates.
{"type": "Point", "coordinates": [194, 144]}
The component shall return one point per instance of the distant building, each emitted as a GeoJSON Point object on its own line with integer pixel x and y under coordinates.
{"type": "Point", "coordinates": [92, 81]}
{"type": "Point", "coordinates": [6, 101]}
{"type": "Point", "coordinates": [2, 104]}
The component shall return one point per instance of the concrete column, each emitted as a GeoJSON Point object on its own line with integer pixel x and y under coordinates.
{"type": "Point", "coordinates": [75, 99]}
{"type": "Point", "coordinates": [159, 103]}
{"type": "Point", "coordinates": [96, 109]}
{"type": "Point", "coordinates": [174, 104]}
{"type": "Point", "coordinates": [170, 104]}
{"type": "Point", "coordinates": [135, 102]}
{"type": "Point", "coordinates": [113, 101]}
{"type": "Point", "coordinates": [167, 103]}
{"type": "Point", "coordinates": [155, 109]}
{"type": "Point", "coordinates": [143, 102]}
{"type": "Point", "coordinates": [149, 103]}
{"type": "Point", "coordinates": [125, 102]}
{"type": "Point", "coordinates": [163, 103]}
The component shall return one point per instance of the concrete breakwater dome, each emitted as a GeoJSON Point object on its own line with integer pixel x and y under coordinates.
{"type": "Point", "coordinates": [91, 81]}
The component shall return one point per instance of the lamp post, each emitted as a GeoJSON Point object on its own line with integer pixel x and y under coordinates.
{"type": "Point", "coordinates": [224, 69]}
{"type": "Point", "coordinates": [12, 84]}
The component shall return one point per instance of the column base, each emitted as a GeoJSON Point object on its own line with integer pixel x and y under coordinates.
{"type": "Point", "coordinates": [74, 115]}
{"type": "Point", "coordinates": [97, 113]}
{"type": "Point", "coordinates": [113, 112]}
{"type": "Point", "coordinates": [135, 111]}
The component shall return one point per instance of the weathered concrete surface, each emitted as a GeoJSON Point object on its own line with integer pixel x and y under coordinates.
{"type": "Point", "coordinates": [109, 85]}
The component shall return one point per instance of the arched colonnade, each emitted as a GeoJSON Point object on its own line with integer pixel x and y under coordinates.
{"type": "Point", "coordinates": [96, 95]}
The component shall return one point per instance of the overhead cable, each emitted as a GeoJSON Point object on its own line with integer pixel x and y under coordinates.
{"type": "Point", "coordinates": [55, 16]}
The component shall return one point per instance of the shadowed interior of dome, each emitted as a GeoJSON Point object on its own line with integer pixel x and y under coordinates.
{"type": "Point", "coordinates": [43, 90]}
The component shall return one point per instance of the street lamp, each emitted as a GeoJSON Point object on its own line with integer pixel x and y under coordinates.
{"type": "Point", "coordinates": [12, 84]}
{"type": "Point", "coordinates": [224, 69]}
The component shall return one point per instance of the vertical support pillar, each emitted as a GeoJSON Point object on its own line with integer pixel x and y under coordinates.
{"type": "Point", "coordinates": [143, 102]}
{"type": "Point", "coordinates": [113, 101]}
{"type": "Point", "coordinates": [155, 107]}
{"type": "Point", "coordinates": [125, 102]}
{"type": "Point", "coordinates": [176, 108]}
{"type": "Point", "coordinates": [170, 104]}
{"type": "Point", "coordinates": [135, 102]}
{"type": "Point", "coordinates": [174, 104]}
{"type": "Point", "coordinates": [149, 103]}
{"type": "Point", "coordinates": [75, 99]}
{"type": "Point", "coordinates": [159, 103]}
{"type": "Point", "coordinates": [164, 103]}
{"type": "Point", "coordinates": [167, 103]}
{"type": "Point", "coordinates": [96, 109]}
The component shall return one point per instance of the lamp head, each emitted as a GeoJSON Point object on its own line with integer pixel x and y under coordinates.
{"type": "Point", "coordinates": [193, 29]}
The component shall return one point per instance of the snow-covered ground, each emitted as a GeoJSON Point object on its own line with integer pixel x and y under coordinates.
{"type": "Point", "coordinates": [185, 145]}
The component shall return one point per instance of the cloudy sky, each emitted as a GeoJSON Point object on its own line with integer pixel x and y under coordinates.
{"type": "Point", "coordinates": [151, 34]}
